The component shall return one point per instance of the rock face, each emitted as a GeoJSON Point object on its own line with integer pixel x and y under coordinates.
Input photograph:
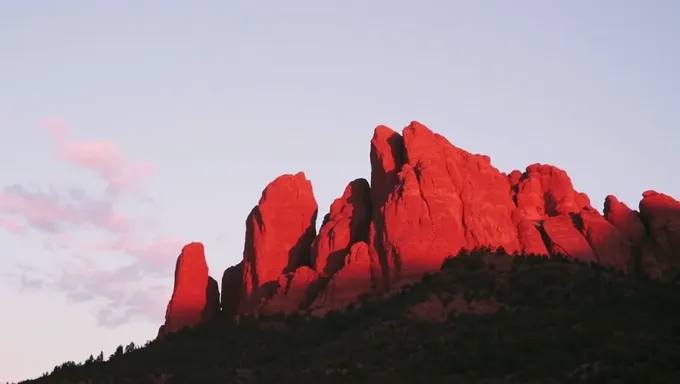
{"type": "Point", "coordinates": [563, 238]}
{"type": "Point", "coordinates": [426, 201]}
{"type": "Point", "coordinates": [564, 219]}
{"type": "Point", "coordinates": [624, 219]}
{"type": "Point", "coordinates": [212, 308]}
{"type": "Point", "coordinates": [232, 287]}
{"type": "Point", "coordinates": [610, 246]}
{"type": "Point", "coordinates": [290, 295]}
{"type": "Point", "coordinates": [349, 282]}
{"type": "Point", "coordinates": [279, 235]}
{"type": "Point", "coordinates": [661, 215]}
{"type": "Point", "coordinates": [346, 224]}
{"type": "Point", "coordinates": [195, 297]}
{"type": "Point", "coordinates": [445, 199]}
{"type": "Point", "coordinates": [546, 191]}
{"type": "Point", "coordinates": [387, 157]}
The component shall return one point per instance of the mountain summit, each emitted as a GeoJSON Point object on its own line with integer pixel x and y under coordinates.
{"type": "Point", "coordinates": [427, 200]}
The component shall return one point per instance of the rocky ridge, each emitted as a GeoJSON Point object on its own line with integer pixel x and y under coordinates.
{"type": "Point", "coordinates": [427, 200]}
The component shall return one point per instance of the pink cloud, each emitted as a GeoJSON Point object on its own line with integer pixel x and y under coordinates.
{"type": "Point", "coordinates": [139, 289]}
{"type": "Point", "coordinates": [11, 225]}
{"type": "Point", "coordinates": [128, 291]}
{"type": "Point", "coordinates": [118, 296]}
{"type": "Point", "coordinates": [51, 211]}
{"type": "Point", "coordinates": [54, 212]}
{"type": "Point", "coordinates": [101, 157]}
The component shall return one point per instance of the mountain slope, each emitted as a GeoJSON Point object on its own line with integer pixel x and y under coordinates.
{"type": "Point", "coordinates": [484, 318]}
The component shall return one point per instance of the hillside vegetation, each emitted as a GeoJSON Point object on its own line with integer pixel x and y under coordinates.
{"type": "Point", "coordinates": [484, 318]}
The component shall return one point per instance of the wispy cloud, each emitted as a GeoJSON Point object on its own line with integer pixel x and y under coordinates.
{"type": "Point", "coordinates": [66, 216]}
{"type": "Point", "coordinates": [152, 257]}
{"type": "Point", "coordinates": [55, 211]}
{"type": "Point", "coordinates": [119, 294]}
{"type": "Point", "coordinates": [101, 157]}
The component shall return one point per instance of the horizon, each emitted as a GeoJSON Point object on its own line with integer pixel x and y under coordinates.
{"type": "Point", "coordinates": [133, 131]}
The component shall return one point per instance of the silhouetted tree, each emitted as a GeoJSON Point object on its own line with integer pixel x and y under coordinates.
{"type": "Point", "coordinates": [130, 347]}
{"type": "Point", "coordinates": [118, 352]}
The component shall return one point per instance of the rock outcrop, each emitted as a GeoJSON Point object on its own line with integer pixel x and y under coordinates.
{"type": "Point", "coordinates": [279, 235]}
{"type": "Point", "coordinates": [195, 297]}
{"type": "Point", "coordinates": [387, 158]}
{"type": "Point", "coordinates": [624, 219]}
{"type": "Point", "coordinates": [611, 248]}
{"type": "Point", "coordinates": [290, 293]}
{"type": "Point", "coordinates": [346, 224]}
{"type": "Point", "coordinates": [427, 200]}
{"type": "Point", "coordinates": [346, 285]}
{"type": "Point", "coordinates": [564, 219]}
{"type": "Point", "coordinates": [232, 288]}
{"type": "Point", "coordinates": [660, 214]}
{"type": "Point", "coordinates": [445, 199]}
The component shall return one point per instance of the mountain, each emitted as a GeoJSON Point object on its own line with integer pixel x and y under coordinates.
{"type": "Point", "coordinates": [427, 200]}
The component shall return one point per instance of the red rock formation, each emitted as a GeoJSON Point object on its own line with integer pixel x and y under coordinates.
{"type": "Point", "coordinates": [212, 308]}
{"type": "Point", "coordinates": [610, 246]}
{"type": "Point", "coordinates": [547, 191]}
{"type": "Point", "coordinates": [427, 200]}
{"type": "Point", "coordinates": [661, 215]}
{"type": "Point", "coordinates": [530, 238]}
{"type": "Point", "coordinates": [387, 158]}
{"type": "Point", "coordinates": [351, 281]}
{"type": "Point", "coordinates": [571, 227]}
{"type": "Point", "coordinates": [514, 178]}
{"type": "Point", "coordinates": [279, 234]}
{"type": "Point", "coordinates": [346, 224]}
{"type": "Point", "coordinates": [195, 296]}
{"type": "Point", "coordinates": [287, 295]}
{"type": "Point", "coordinates": [624, 219]}
{"type": "Point", "coordinates": [582, 201]}
{"type": "Point", "coordinates": [232, 286]}
{"type": "Point", "coordinates": [445, 199]}
{"type": "Point", "coordinates": [564, 238]}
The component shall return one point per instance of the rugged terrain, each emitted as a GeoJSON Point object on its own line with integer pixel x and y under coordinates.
{"type": "Point", "coordinates": [485, 318]}
{"type": "Point", "coordinates": [426, 201]}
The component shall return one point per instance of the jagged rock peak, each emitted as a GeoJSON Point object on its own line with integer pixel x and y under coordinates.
{"type": "Point", "coordinates": [279, 234]}
{"type": "Point", "coordinates": [347, 223]}
{"type": "Point", "coordinates": [427, 200]}
{"type": "Point", "coordinates": [195, 296]}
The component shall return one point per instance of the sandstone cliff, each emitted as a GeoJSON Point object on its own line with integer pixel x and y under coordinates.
{"type": "Point", "coordinates": [195, 297]}
{"type": "Point", "coordinates": [427, 199]}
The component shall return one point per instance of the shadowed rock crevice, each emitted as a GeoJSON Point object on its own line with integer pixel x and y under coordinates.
{"type": "Point", "coordinates": [211, 311]}
{"type": "Point", "coordinates": [300, 254]}
{"type": "Point", "coordinates": [348, 224]}
{"type": "Point", "coordinates": [577, 221]}
{"type": "Point", "coordinates": [232, 287]}
{"type": "Point", "coordinates": [544, 236]}
{"type": "Point", "coordinates": [387, 156]}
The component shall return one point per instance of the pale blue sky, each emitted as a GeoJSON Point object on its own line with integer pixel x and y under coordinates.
{"type": "Point", "coordinates": [223, 96]}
